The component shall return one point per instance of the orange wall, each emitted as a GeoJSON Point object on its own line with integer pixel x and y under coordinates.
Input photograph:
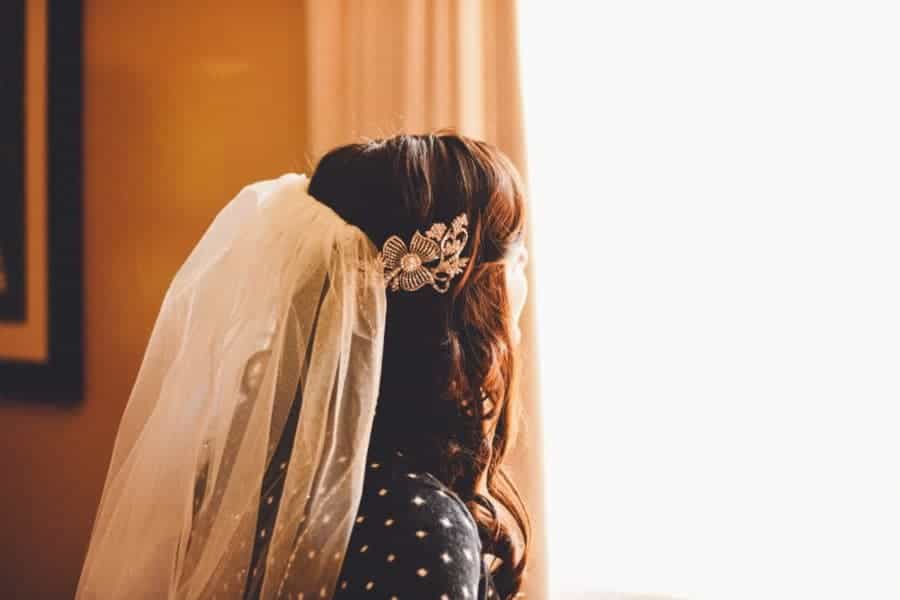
{"type": "Point", "coordinates": [185, 103]}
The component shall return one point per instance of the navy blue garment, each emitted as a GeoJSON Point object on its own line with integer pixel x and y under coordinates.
{"type": "Point", "coordinates": [414, 539]}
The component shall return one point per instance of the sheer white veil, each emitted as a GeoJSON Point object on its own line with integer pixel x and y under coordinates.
{"type": "Point", "coordinates": [281, 301]}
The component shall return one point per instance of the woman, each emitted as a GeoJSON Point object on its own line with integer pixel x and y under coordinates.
{"type": "Point", "coordinates": [327, 397]}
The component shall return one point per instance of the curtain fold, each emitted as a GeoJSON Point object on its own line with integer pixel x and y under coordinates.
{"type": "Point", "coordinates": [374, 69]}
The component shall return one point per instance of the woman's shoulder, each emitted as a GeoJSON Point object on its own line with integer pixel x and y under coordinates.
{"type": "Point", "coordinates": [413, 537]}
{"type": "Point", "coordinates": [416, 496]}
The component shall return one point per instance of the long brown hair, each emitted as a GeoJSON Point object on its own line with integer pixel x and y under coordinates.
{"type": "Point", "coordinates": [448, 370]}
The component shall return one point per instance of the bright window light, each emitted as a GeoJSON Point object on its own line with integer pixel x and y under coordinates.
{"type": "Point", "coordinates": [716, 206]}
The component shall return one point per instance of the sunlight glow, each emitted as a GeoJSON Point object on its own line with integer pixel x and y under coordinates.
{"type": "Point", "coordinates": [715, 190]}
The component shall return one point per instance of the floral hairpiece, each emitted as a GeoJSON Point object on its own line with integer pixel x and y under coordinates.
{"type": "Point", "coordinates": [409, 269]}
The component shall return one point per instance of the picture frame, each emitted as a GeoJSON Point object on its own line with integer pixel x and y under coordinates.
{"type": "Point", "coordinates": [41, 249]}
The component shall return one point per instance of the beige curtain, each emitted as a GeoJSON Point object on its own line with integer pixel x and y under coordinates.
{"type": "Point", "coordinates": [377, 68]}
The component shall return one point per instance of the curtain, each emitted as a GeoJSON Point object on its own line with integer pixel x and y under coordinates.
{"type": "Point", "coordinates": [373, 69]}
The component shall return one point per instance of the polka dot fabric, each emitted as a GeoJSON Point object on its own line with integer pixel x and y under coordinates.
{"type": "Point", "coordinates": [413, 540]}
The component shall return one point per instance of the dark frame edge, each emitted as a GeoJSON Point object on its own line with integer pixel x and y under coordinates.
{"type": "Point", "coordinates": [60, 380]}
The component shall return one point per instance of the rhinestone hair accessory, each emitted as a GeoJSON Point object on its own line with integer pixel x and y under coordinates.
{"type": "Point", "coordinates": [431, 259]}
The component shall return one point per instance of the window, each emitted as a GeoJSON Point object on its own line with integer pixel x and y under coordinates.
{"type": "Point", "coordinates": [716, 205]}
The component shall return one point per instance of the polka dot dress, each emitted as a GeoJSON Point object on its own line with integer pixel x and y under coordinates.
{"type": "Point", "coordinates": [413, 539]}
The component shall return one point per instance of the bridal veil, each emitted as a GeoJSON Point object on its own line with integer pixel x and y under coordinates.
{"type": "Point", "coordinates": [281, 302]}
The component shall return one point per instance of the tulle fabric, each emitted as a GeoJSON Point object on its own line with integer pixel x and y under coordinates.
{"type": "Point", "coordinates": [280, 302]}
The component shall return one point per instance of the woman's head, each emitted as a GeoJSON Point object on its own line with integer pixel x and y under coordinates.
{"type": "Point", "coordinates": [448, 366]}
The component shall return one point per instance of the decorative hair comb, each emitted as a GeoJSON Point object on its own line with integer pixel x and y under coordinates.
{"type": "Point", "coordinates": [408, 269]}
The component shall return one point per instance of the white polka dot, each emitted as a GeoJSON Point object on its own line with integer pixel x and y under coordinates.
{"type": "Point", "coordinates": [422, 572]}
{"type": "Point", "coordinates": [269, 500]}
{"type": "Point", "coordinates": [391, 557]}
{"type": "Point", "coordinates": [370, 585]}
{"type": "Point", "coordinates": [389, 522]}
{"type": "Point", "coordinates": [262, 533]}
{"type": "Point", "coordinates": [446, 522]}
{"type": "Point", "coordinates": [420, 534]}
{"type": "Point", "coordinates": [375, 465]}
{"type": "Point", "coordinates": [446, 558]}
{"type": "Point", "coordinates": [418, 501]}
{"type": "Point", "coordinates": [364, 548]}
{"type": "Point", "coordinates": [282, 466]}
{"type": "Point", "coordinates": [382, 492]}
{"type": "Point", "coordinates": [412, 476]}
{"type": "Point", "coordinates": [360, 519]}
{"type": "Point", "coordinates": [343, 585]}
